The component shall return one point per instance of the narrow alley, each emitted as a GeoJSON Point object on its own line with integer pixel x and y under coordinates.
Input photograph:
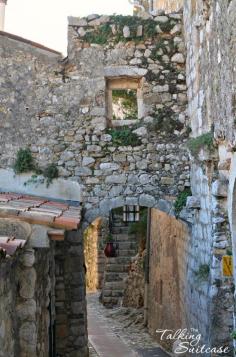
{"type": "Point", "coordinates": [118, 332]}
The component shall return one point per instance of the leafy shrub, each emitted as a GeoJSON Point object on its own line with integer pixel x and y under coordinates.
{"type": "Point", "coordinates": [124, 137]}
{"type": "Point", "coordinates": [50, 173]}
{"type": "Point", "coordinates": [24, 161]}
{"type": "Point", "coordinates": [181, 200]}
{"type": "Point", "coordinates": [204, 140]}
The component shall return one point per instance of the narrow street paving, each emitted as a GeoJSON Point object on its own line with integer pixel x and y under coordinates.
{"type": "Point", "coordinates": [118, 332]}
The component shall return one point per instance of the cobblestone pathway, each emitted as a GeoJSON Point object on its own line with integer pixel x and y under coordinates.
{"type": "Point", "coordinates": [118, 332]}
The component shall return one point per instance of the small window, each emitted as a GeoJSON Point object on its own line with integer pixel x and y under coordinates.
{"type": "Point", "coordinates": [124, 101]}
{"type": "Point", "coordinates": [131, 213]}
{"type": "Point", "coordinates": [124, 104]}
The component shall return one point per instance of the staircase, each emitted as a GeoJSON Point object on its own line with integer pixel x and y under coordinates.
{"type": "Point", "coordinates": [116, 269]}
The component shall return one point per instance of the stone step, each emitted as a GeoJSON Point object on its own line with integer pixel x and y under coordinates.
{"type": "Point", "coordinates": [126, 252]}
{"type": "Point", "coordinates": [110, 301]}
{"type": "Point", "coordinates": [116, 230]}
{"type": "Point", "coordinates": [127, 245]}
{"type": "Point", "coordinates": [119, 260]}
{"type": "Point", "coordinates": [114, 285]}
{"type": "Point", "coordinates": [110, 276]}
{"type": "Point", "coordinates": [112, 293]}
{"type": "Point", "coordinates": [117, 268]}
{"type": "Point", "coordinates": [120, 237]}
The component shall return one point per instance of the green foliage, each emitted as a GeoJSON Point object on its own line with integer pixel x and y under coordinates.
{"type": "Point", "coordinates": [124, 137]}
{"type": "Point", "coordinates": [99, 36]}
{"type": "Point", "coordinates": [233, 334]}
{"type": "Point", "coordinates": [181, 200]}
{"type": "Point", "coordinates": [139, 227]}
{"type": "Point", "coordinates": [109, 238]}
{"type": "Point", "coordinates": [102, 34]}
{"type": "Point", "coordinates": [166, 26]}
{"type": "Point", "coordinates": [203, 272]}
{"type": "Point", "coordinates": [165, 121]}
{"type": "Point", "coordinates": [127, 99]}
{"type": "Point", "coordinates": [50, 173]}
{"type": "Point", "coordinates": [204, 140]}
{"type": "Point", "coordinates": [24, 161]}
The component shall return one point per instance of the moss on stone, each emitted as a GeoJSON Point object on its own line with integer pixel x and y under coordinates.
{"type": "Point", "coordinates": [204, 140]}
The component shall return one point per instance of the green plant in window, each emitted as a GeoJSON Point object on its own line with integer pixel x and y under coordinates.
{"type": "Point", "coordinates": [126, 102]}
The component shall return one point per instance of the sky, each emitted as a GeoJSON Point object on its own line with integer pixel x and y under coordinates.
{"type": "Point", "coordinates": [45, 21]}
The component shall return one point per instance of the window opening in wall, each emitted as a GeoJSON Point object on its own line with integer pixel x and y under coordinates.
{"type": "Point", "coordinates": [124, 104]}
{"type": "Point", "coordinates": [131, 213]}
{"type": "Point", "coordinates": [124, 101]}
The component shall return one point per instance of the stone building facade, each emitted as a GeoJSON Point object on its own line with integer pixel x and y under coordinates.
{"type": "Point", "coordinates": [62, 110]}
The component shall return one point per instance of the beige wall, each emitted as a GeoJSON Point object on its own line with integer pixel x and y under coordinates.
{"type": "Point", "coordinates": [167, 275]}
{"type": "Point", "coordinates": [168, 5]}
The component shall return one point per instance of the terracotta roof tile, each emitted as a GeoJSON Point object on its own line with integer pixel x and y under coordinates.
{"type": "Point", "coordinates": [38, 210]}
{"type": "Point", "coordinates": [10, 244]}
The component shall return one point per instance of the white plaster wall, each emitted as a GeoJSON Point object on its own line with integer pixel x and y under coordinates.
{"type": "Point", "coordinates": [59, 189]}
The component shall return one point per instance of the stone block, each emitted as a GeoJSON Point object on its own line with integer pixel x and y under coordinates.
{"type": "Point", "coordinates": [178, 58]}
{"type": "Point", "coordinates": [147, 200]}
{"type": "Point", "coordinates": [116, 179]}
{"type": "Point", "coordinates": [220, 188]}
{"type": "Point", "coordinates": [193, 202]}
{"type": "Point", "coordinates": [167, 180]}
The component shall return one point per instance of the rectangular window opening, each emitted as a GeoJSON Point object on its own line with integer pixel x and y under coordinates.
{"type": "Point", "coordinates": [124, 104]}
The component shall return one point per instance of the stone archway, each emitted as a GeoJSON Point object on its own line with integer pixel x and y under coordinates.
{"type": "Point", "coordinates": [103, 208]}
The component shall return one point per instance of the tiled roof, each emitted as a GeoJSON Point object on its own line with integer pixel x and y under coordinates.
{"type": "Point", "coordinates": [9, 245]}
{"type": "Point", "coordinates": [38, 210]}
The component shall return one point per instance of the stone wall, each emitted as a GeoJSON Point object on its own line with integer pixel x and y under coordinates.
{"type": "Point", "coordinates": [7, 308]}
{"type": "Point", "coordinates": [24, 317]}
{"type": "Point", "coordinates": [167, 5]}
{"type": "Point", "coordinates": [209, 36]}
{"type": "Point", "coordinates": [135, 282]}
{"type": "Point", "coordinates": [168, 282]}
{"type": "Point", "coordinates": [94, 243]}
{"type": "Point", "coordinates": [60, 109]}
{"type": "Point", "coordinates": [70, 303]}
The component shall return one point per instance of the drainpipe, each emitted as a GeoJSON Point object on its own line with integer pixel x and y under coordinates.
{"type": "Point", "coordinates": [146, 287]}
{"type": "Point", "coordinates": [2, 14]}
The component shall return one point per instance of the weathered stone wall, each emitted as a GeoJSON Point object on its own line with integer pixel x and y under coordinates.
{"type": "Point", "coordinates": [167, 5]}
{"type": "Point", "coordinates": [70, 303]}
{"type": "Point", "coordinates": [7, 308]}
{"type": "Point", "coordinates": [24, 304]}
{"type": "Point", "coordinates": [209, 36]}
{"type": "Point", "coordinates": [94, 243]}
{"type": "Point", "coordinates": [134, 283]}
{"type": "Point", "coordinates": [168, 282]}
{"type": "Point", "coordinates": [60, 111]}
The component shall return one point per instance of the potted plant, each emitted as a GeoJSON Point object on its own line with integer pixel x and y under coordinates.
{"type": "Point", "coordinates": [110, 249]}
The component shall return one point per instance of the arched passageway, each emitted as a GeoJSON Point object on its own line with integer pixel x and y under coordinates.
{"type": "Point", "coordinates": [148, 269]}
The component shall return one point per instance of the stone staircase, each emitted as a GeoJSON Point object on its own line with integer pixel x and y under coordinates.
{"type": "Point", "coordinates": [116, 269]}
